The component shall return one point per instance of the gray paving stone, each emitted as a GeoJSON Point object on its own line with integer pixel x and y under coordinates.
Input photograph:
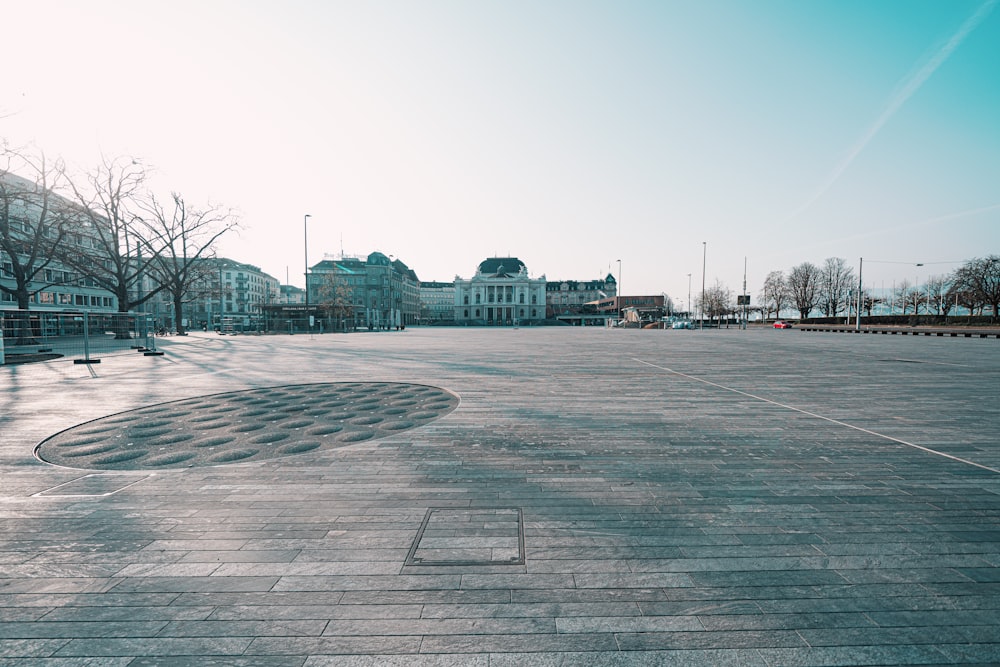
{"type": "Point", "coordinates": [70, 629]}
{"type": "Point", "coordinates": [386, 660]}
{"type": "Point", "coordinates": [121, 647]}
{"type": "Point", "coordinates": [668, 517]}
{"type": "Point", "coordinates": [67, 662]}
{"type": "Point", "coordinates": [679, 658]}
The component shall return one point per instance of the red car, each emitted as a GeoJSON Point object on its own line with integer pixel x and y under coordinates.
{"type": "Point", "coordinates": [781, 324]}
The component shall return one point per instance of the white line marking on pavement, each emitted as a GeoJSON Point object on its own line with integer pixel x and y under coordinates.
{"type": "Point", "coordinates": [813, 414]}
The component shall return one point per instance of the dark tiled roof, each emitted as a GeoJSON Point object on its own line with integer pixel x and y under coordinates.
{"type": "Point", "coordinates": [501, 266]}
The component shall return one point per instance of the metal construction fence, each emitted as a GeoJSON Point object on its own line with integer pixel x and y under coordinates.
{"type": "Point", "coordinates": [82, 336]}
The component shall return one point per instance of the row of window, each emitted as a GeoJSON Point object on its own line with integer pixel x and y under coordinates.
{"type": "Point", "coordinates": [498, 313]}
{"type": "Point", "coordinates": [50, 276]}
{"type": "Point", "coordinates": [63, 299]}
{"type": "Point", "coordinates": [490, 299]}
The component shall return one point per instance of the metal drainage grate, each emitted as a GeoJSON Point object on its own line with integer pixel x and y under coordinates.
{"type": "Point", "coordinates": [486, 536]}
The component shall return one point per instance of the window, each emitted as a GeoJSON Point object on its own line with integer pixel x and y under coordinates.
{"type": "Point", "coordinates": [534, 300]}
{"type": "Point", "coordinates": [466, 304]}
{"type": "Point", "coordinates": [477, 312]}
{"type": "Point", "coordinates": [478, 296]}
{"type": "Point", "coordinates": [522, 297]}
{"type": "Point", "coordinates": [534, 313]}
{"type": "Point", "coordinates": [81, 300]}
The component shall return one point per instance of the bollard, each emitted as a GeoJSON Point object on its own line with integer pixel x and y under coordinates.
{"type": "Point", "coordinates": [1, 348]}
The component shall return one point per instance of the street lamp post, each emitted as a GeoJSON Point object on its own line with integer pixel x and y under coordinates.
{"type": "Point", "coordinates": [305, 232]}
{"type": "Point", "coordinates": [689, 297]}
{"type": "Point", "coordinates": [857, 318]}
{"type": "Point", "coordinates": [621, 304]}
{"type": "Point", "coordinates": [916, 291]}
{"type": "Point", "coordinates": [746, 301]}
{"type": "Point", "coordinates": [701, 308]}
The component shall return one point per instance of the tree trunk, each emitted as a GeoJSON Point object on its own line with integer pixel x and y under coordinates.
{"type": "Point", "coordinates": [179, 315]}
{"type": "Point", "coordinates": [23, 297]}
{"type": "Point", "coordinates": [19, 324]}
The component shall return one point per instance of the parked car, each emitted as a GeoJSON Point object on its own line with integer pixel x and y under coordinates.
{"type": "Point", "coordinates": [682, 324]}
{"type": "Point", "coordinates": [781, 324]}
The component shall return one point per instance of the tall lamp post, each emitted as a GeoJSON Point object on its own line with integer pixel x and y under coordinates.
{"type": "Point", "coordinates": [857, 315]}
{"type": "Point", "coordinates": [305, 233]}
{"type": "Point", "coordinates": [689, 297]}
{"type": "Point", "coordinates": [621, 304]}
{"type": "Point", "coordinates": [701, 308]}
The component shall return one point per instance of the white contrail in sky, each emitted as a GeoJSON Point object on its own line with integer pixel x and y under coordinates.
{"type": "Point", "coordinates": [910, 84]}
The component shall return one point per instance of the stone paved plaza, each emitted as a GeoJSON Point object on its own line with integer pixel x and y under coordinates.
{"type": "Point", "coordinates": [552, 496]}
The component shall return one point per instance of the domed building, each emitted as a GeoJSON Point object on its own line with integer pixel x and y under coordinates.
{"type": "Point", "coordinates": [500, 294]}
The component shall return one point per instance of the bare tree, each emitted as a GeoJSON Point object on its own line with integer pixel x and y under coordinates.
{"type": "Point", "coordinates": [938, 288]}
{"type": "Point", "coordinates": [902, 294]}
{"type": "Point", "coordinates": [178, 241]}
{"type": "Point", "coordinates": [978, 283]}
{"type": "Point", "coordinates": [335, 299]}
{"type": "Point", "coordinates": [718, 301]}
{"type": "Point", "coordinates": [112, 228]}
{"type": "Point", "coordinates": [961, 293]}
{"type": "Point", "coordinates": [869, 301]}
{"type": "Point", "coordinates": [803, 287]}
{"type": "Point", "coordinates": [914, 297]}
{"type": "Point", "coordinates": [836, 281]}
{"type": "Point", "coordinates": [774, 296]}
{"type": "Point", "coordinates": [32, 222]}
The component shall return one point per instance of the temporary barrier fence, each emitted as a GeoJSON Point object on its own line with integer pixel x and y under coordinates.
{"type": "Point", "coordinates": [82, 336]}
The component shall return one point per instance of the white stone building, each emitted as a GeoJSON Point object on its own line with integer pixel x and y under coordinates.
{"type": "Point", "coordinates": [501, 293]}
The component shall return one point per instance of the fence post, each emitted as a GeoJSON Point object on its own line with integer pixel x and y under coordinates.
{"type": "Point", "coordinates": [151, 350]}
{"type": "Point", "coordinates": [86, 342]}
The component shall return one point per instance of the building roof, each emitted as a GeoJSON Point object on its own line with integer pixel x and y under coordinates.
{"type": "Point", "coordinates": [577, 285]}
{"type": "Point", "coordinates": [501, 267]}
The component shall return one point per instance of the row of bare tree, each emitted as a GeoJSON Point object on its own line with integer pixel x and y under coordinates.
{"type": "Point", "coordinates": [832, 289]}
{"type": "Point", "coordinates": [103, 228]}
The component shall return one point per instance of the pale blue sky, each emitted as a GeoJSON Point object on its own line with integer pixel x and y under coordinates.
{"type": "Point", "coordinates": [568, 133]}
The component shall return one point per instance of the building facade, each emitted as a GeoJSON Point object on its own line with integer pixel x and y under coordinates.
{"type": "Point", "coordinates": [291, 294]}
{"type": "Point", "coordinates": [374, 292]}
{"type": "Point", "coordinates": [437, 303]}
{"type": "Point", "coordinates": [566, 298]}
{"type": "Point", "coordinates": [56, 287]}
{"type": "Point", "coordinates": [501, 293]}
{"type": "Point", "coordinates": [229, 296]}
{"type": "Point", "coordinates": [638, 310]}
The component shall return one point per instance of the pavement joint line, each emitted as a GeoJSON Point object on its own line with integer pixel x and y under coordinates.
{"type": "Point", "coordinates": [932, 363]}
{"type": "Point", "coordinates": [927, 450]}
{"type": "Point", "coordinates": [47, 493]}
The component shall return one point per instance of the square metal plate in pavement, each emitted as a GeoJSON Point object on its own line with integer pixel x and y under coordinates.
{"type": "Point", "coordinates": [484, 536]}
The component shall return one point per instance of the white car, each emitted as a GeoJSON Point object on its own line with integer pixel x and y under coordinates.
{"type": "Point", "coordinates": [683, 324]}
